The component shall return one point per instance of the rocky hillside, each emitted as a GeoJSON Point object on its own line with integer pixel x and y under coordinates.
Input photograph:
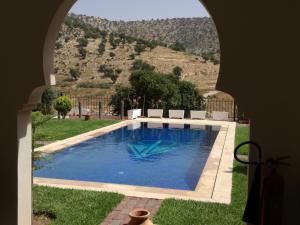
{"type": "Point", "coordinates": [198, 35]}
{"type": "Point", "coordinates": [92, 60]}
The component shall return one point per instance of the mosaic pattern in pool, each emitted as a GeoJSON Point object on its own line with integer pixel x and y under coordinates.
{"type": "Point", "coordinates": [142, 154]}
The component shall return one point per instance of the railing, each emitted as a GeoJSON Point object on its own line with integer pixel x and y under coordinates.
{"type": "Point", "coordinates": [92, 105]}
{"type": "Point", "coordinates": [99, 106]}
{"type": "Point", "coordinates": [223, 105]}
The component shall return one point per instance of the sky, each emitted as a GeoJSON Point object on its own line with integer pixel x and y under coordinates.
{"type": "Point", "coordinates": [130, 10]}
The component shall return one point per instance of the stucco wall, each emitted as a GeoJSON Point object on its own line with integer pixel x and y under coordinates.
{"type": "Point", "coordinates": [259, 67]}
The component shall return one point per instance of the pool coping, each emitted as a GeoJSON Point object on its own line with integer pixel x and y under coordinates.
{"type": "Point", "coordinates": [214, 185]}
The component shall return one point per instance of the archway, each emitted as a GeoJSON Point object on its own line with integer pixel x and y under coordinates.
{"type": "Point", "coordinates": [49, 49]}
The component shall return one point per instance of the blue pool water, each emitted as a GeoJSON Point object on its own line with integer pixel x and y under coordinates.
{"type": "Point", "coordinates": [153, 155]}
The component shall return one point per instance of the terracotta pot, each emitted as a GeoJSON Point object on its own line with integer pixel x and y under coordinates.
{"type": "Point", "coordinates": [87, 117]}
{"type": "Point", "coordinates": [138, 216]}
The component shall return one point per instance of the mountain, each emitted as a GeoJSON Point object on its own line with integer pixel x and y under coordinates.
{"type": "Point", "coordinates": [84, 49]}
{"type": "Point", "coordinates": [198, 35]}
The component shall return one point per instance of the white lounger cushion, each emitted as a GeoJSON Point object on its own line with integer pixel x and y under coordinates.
{"type": "Point", "coordinates": [176, 114]}
{"type": "Point", "coordinates": [198, 114]}
{"type": "Point", "coordinates": [220, 116]}
{"type": "Point", "coordinates": [134, 113]}
{"type": "Point", "coordinates": [155, 113]}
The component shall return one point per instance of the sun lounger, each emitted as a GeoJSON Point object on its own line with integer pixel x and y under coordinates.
{"type": "Point", "coordinates": [158, 113]}
{"type": "Point", "coordinates": [134, 113]}
{"type": "Point", "coordinates": [197, 114]}
{"type": "Point", "coordinates": [176, 114]}
{"type": "Point", "coordinates": [220, 116]}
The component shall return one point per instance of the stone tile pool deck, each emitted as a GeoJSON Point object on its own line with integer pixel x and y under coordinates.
{"type": "Point", "coordinates": [215, 182]}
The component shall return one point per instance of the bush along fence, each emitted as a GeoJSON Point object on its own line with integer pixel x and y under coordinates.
{"type": "Point", "coordinates": [99, 107]}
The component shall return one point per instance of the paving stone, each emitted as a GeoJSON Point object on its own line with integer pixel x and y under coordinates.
{"type": "Point", "coordinates": [116, 222]}
{"type": "Point", "coordinates": [119, 216]}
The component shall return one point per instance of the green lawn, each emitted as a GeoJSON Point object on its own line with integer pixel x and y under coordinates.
{"type": "Point", "coordinates": [242, 134]}
{"type": "Point", "coordinates": [73, 207]}
{"type": "Point", "coordinates": [54, 129]}
{"type": "Point", "coordinates": [176, 212]}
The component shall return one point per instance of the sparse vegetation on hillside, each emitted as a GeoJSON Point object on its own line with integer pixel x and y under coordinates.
{"type": "Point", "coordinates": [79, 48]}
{"type": "Point", "coordinates": [198, 34]}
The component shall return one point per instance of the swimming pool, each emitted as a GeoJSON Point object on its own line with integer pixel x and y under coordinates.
{"type": "Point", "coordinates": [142, 154]}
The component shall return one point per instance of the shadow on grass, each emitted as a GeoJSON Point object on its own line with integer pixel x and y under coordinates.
{"type": "Point", "coordinates": [47, 214]}
{"type": "Point", "coordinates": [241, 169]}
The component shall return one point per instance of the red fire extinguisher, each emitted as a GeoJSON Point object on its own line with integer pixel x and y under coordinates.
{"type": "Point", "coordinates": [264, 204]}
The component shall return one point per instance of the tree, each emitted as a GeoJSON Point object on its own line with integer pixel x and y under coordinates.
{"type": "Point", "coordinates": [125, 94]}
{"type": "Point", "coordinates": [37, 119]}
{"type": "Point", "coordinates": [101, 48]}
{"type": "Point", "coordinates": [48, 98]}
{"type": "Point", "coordinates": [177, 71]}
{"type": "Point", "coordinates": [191, 99]}
{"type": "Point", "coordinates": [83, 42]}
{"type": "Point", "coordinates": [118, 71]}
{"type": "Point", "coordinates": [111, 54]}
{"type": "Point", "coordinates": [112, 41]}
{"type": "Point", "coordinates": [141, 65]}
{"type": "Point", "coordinates": [75, 73]}
{"type": "Point", "coordinates": [139, 48]}
{"type": "Point", "coordinates": [177, 46]}
{"type": "Point", "coordinates": [58, 45]}
{"type": "Point", "coordinates": [157, 88]}
{"type": "Point", "coordinates": [82, 52]}
{"type": "Point", "coordinates": [63, 105]}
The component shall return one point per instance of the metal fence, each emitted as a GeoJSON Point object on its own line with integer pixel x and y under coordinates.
{"type": "Point", "coordinates": [223, 105]}
{"type": "Point", "coordinates": [96, 106]}
{"type": "Point", "coordinates": [99, 106]}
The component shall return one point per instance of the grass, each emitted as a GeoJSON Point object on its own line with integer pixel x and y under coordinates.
{"type": "Point", "coordinates": [73, 207]}
{"type": "Point", "coordinates": [54, 129]}
{"type": "Point", "coordinates": [177, 212]}
{"type": "Point", "coordinates": [242, 134]}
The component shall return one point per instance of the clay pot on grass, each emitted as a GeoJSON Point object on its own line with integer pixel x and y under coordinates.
{"type": "Point", "coordinates": [138, 216]}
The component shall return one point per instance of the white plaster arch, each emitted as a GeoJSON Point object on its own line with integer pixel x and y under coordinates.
{"type": "Point", "coordinates": [24, 115]}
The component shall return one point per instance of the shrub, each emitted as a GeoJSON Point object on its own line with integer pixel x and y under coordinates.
{"type": "Point", "coordinates": [101, 48]}
{"type": "Point", "coordinates": [48, 98]}
{"type": "Point", "coordinates": [93, 85]}
{"type": "Point", "coordinates": [82, 52]}
{"type": "Point", "coordinates": [177, 71]}
{"type": "Point", "coordinates": [118, 71]}
{"type": "Point", "coordinates": [177, 46]}
{"type": "Point", "coordinates": [112, 54]}
{"type": "Point", "coordinates": [141, 65]}
{"type": "Point", "coordinates": [63, 105]}
{"type": "Point", "coordinates": [139, 48]}
{"type": "Point", "coordinates": [83, 42]}
{"type": "Point", "coordinates": [37, 119]}
{"type": "Point", "coordinates": [131, 56]}
{"type": "Point", "coordinates": [210, 56]}
{"type": "Point", "coordinates": [75, 73]}
{"type": "Point", "coordinates": [102, 68]}
{"type": "Point", "coordinates": [112, 41]}
{"type": "Point", "coordinates": [67, 39]}
{"type": "Point", "coordinates": [91, 33]}
{"type": "Point", "coordinates": [58, 45]}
